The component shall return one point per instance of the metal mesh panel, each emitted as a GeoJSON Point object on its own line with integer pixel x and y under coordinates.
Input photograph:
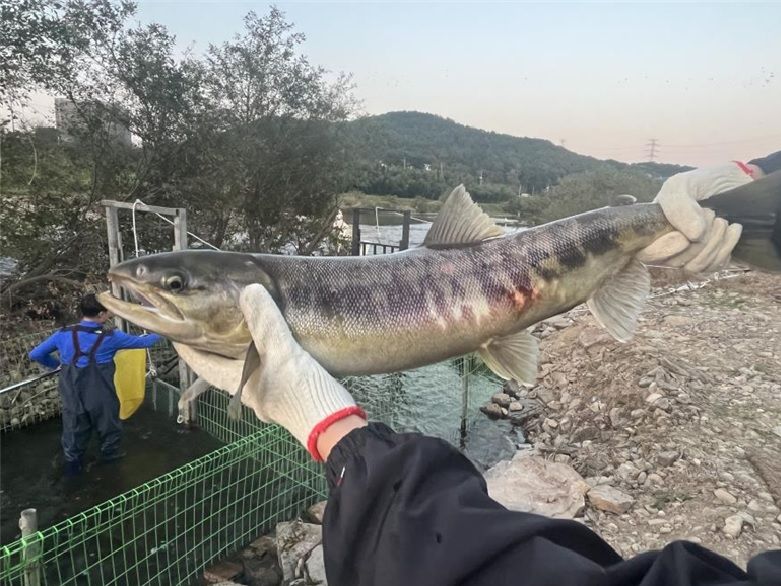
{"type": "Point", "coordinates": [167, 530]}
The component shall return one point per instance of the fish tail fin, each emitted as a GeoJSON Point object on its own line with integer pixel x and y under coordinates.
{"type": "Point", "coordinates": [757, 207]}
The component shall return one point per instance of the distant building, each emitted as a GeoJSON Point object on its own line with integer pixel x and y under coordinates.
{"type": "Point", "coordinates": [70, 121]}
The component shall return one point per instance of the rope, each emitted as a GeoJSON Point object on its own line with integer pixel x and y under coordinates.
{"type": "Point", "coordinates": [152, 368]}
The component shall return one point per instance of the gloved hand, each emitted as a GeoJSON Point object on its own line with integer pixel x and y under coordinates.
{"type": "Point", "coordinates": [701, 241]}
{"type": "Point", "coordinates": [290, 387]}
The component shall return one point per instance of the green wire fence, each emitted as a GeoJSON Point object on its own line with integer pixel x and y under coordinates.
{"type": "Point", "coordinates": [167, 530]}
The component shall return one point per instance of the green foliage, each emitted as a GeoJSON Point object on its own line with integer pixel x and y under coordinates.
{"type": "Point", "coordinates": [245, 137]}
{"type": "Point", "coordinates": [582, 192]}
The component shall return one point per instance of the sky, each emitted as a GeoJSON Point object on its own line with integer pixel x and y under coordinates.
{"type": "Point", "coordinates": [603, 79]}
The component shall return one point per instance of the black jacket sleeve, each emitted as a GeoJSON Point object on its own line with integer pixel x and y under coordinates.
{"type": "Point", "coordinates": [409, 510]}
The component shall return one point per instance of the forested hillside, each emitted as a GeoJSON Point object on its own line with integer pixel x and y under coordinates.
{"type": "Point", "coordinates": [417, 154]}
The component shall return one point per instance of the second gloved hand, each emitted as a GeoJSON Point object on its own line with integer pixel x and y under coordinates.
{"type": "Point", "coordinates": [290, 388]}
{"type": "Point", "coordinates": [701, 242]}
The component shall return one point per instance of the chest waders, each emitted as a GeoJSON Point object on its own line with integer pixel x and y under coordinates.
{"type": "Point", "coordinates": [89, 401]}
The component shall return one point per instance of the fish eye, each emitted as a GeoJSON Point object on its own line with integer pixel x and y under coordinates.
{"type": "Point", "coordinates": [174, 282]}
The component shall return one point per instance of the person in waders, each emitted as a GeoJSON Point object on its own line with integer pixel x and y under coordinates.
{"type": "Point", "coordinates": [89, 399]}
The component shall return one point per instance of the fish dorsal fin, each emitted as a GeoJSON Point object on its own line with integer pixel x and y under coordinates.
{"type": "Point", "coordinates": [512, 357]}
{"type": "Point", "coordinates": [617, 304]}
{"type": "Point", "coordinates": [460, 222]}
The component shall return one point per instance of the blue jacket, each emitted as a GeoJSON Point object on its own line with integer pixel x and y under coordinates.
{"type": "Point", "coordinates": [61, 341]}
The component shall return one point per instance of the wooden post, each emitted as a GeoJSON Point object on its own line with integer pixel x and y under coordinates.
{"type": "Point", "coordinates": [180, 229]}
{"type": "Point", "coordinates": [356, 244]}
{"type": "Point", "coordinates": [28, 523]}
{"type": "Point", "coordinates": [405, 231]}
{"type": "Point", "coordinates": [112, 225]}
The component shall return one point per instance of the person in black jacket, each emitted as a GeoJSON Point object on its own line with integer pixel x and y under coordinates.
{"type": "Point", "coordinates": [409, 510]}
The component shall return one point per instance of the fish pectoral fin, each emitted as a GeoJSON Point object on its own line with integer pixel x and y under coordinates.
{"type": "Point", "coordinates": [251, 363]}
{"type": "Point", "coordinates": [460, 222]}
{"type": "Point", "coordinates": [513, 356]}
{"type": "Point", "coordinates": [617, 304]}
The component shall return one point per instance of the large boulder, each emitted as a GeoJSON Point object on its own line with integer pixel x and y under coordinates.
{"type": "Point", "coordinates": [532, 484]}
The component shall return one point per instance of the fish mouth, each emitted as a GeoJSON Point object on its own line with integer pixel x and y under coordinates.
{"type": "Point", "coordinates": [154, 313]}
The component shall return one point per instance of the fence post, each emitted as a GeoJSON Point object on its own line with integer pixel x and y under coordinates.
{"type": "Point", "coordinates": [355, 249]}
{"type": "Point", "coordinates": [112, 225]}
{"type": "Point", "coordinates": [405, 231]}
{"type": "Point", "coordinates": [465, 370]}
{"type": "Point", "coordinates": [28, 523]}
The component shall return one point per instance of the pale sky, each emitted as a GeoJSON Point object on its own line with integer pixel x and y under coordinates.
{"type": "Point", "coordinates": [704, 79]}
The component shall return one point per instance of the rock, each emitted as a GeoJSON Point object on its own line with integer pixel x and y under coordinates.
{"type": "Point", "coordinates": [515, 406]}
{"type": "Point", "coordinates": [511, 388]}
{"type": "Point", "coordinates": [606, 498]}
{"type": "Point", "coordinates": [776, 430]}
{"type": "Point", "coordinates": [502, 399]}
{"type": "Point", "coordinates": [733, 525]}
{"type": "Point", "coordinates": [316, 512]}
{"type": "Point", "coordinates": [559, 322]}
{"type": "Point", "coordinates": [294, 542]}
{"type": "Point", "coordinates": [562, 458]}
{"type": "Point", "coordinates": [260, 575]}
{"type": "Point", "coordinates": [724, 497]}
{"type": "Point", "coordinates": [678, 320]}
{"type": "Point", "coordinates": [532, 484]}
{"type": "Point", "coordinates": [493, 410]}
{"type": "Point", "coordinates": [615, 416]}
{"type": "Point", "coordinates": [653, 398]}
{"type": "Point", "coordinates": [664, 404]}
{"type": "Point", "coordinates": [545, 395]}
{"type": "Point", "coordinates": [654, 479]}
{"type": "Point", "coordinates": [627, 471]}
{"type": "Point", "coordinates": [552, 423]}
{"type": "Point", "coordinates": [315, 567]}
{"type": "Point", "coordinates": [588, 432]}
{"type": "Point", "coordinates": [641, 477]}
{"type": "Point", "coordinates": [221, 572]}
{"type": "Point", "coordinates": [264, 546]}
{"type": "Point", "coordinates": [592, 337]}
{"type": "Point", "coordinates": [645, 382]}
{"type": "Point", "coordinates": [665, 459]}
{"type": "Point", "coordinates": [756, 506]}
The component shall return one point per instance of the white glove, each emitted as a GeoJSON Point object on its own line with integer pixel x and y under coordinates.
{"type": "Point", "coordinates": [290, 387]}
{"type": "Point", "coordinates": [701, 241]}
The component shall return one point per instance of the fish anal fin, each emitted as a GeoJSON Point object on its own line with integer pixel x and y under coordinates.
{"type": "Point", "coordinates": [617, 304]}
{"type": "Point", "coordinates": [251, 364]}
{"type": "Point", "coordinates": [513, 357]}
{"type": "Point", "coordinates": [460, 222]}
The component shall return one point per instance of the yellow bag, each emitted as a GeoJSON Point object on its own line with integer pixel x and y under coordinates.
{"type": "Point", "coordinates": [130, 380]}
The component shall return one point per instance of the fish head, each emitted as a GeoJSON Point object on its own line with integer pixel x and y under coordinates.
{"type": "Point", "coordinates": [191, 297]}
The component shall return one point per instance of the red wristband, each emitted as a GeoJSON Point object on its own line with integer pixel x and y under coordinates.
{"type": "Point", "coordinates": [745, 168]}
{"type": "Point", "coordinates": [311, 444]}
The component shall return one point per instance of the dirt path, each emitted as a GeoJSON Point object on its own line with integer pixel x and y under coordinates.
{"type": "Point", "coordinates": [686, 418]}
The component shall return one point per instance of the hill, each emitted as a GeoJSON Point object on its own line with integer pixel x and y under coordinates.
{"type": "Point", "coordinates": [418, 154]}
